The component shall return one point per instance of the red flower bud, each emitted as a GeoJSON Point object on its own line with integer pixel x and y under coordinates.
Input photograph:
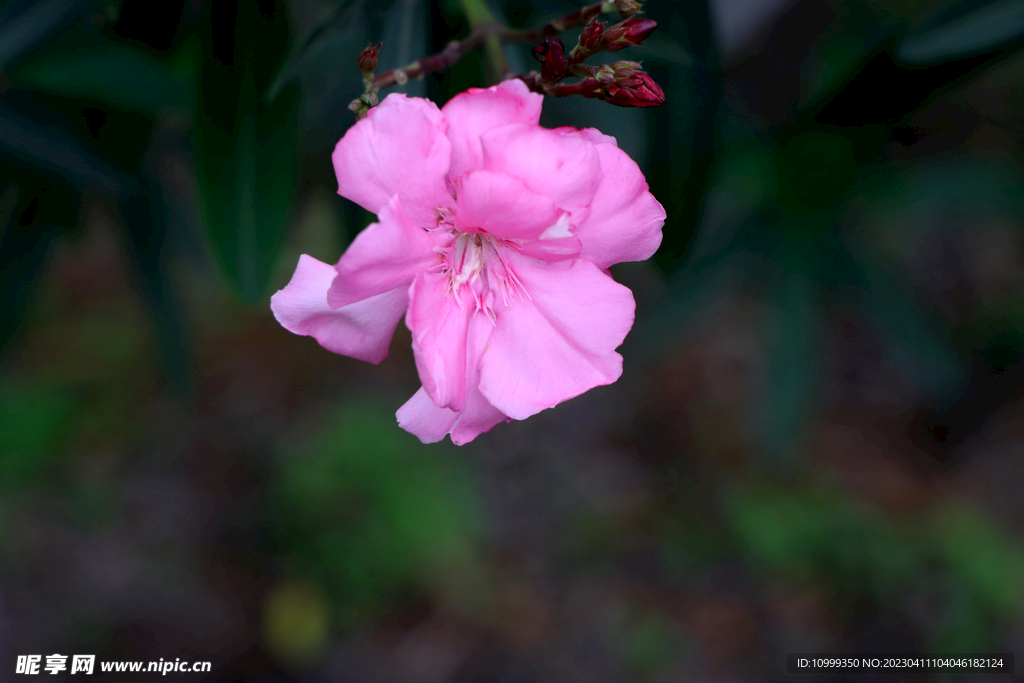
{"type": "Point", "coordinates": [646, 93]}
{"type": "Point", "coordinates": [625, 84]}
{"type": "Point", "coordinates": [551, 55]}
{"type": "Point", "coordinates": [590, 36]}
{"type": "Point", "coordinates": [368, 58]}
{"type": "Point", "coordinates": [633, 31]}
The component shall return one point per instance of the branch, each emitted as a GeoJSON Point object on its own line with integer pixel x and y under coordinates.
{"type": "Point", "coordinates": [492, 33]}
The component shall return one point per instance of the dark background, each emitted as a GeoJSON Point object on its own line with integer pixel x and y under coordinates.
{"type": "Point", "coordinates": [816, 445]}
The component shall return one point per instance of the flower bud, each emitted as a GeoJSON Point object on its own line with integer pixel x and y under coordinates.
{"type": "Point", "coordinates": [368, 59]}
{"type": "Point", "coordinates": [625, 8]}
{"type": "Point", "coordinates": [551, 55]}
{"type": "Point", "coordinates": [632, 31]}
{"type": "Point", "coordinates": [645, 93]}
{"type": "Point", "coordinates": [625, 84]}
{"type": "Point", "coordinates": [590, 36]}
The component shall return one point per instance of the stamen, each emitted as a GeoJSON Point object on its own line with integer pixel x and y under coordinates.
{"type": "Point", "coordinates": [472, 255]}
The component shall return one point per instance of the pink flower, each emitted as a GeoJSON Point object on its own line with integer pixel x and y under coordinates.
{"type": "Point", "coordinates": [493, 239]}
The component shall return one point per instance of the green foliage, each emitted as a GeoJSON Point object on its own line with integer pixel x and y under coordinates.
{"type": "Point", "coordinates": [966, 29]}
{"type": "Point", "coordinates": [115, 74]}
{"type": "Point", "coordinates": [814, 170]}
{"type": "Point", "coordinates": [813, 534]}
{"type": "Point", "coordinates": [986, 559]}
{"type": "Point", "coordinates": [805, 533]}
{"type": "Point", "coordinates": [648, 643]}
{"type": "Point", "coordinates": [246, 146]}
{"type": "Point", "coordinates": [34, 420]}
{"type": "Point", "coordinates": [374, 516]}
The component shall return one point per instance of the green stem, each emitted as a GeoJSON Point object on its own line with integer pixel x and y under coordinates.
{"type": "Point", "coordinates": [480, 15]}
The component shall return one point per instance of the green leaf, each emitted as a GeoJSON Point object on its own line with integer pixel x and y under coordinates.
{"type": "Point", "coordinates": [117, 74]}
{"type": "Point", "coordinates": [247, 149]}
{"type": "Point", "coordinates": [988, 560]}
{"type": "Point", "coordinates": [147, 227]}
{"type": "Point", "coordinates": [803, 532]}
{"type": "Point", "coordinates": [53, 150]}
{"type": "Point", "coordinates": [404, 41]}
{"type": "Point", "coordinates": [367, 509]}
{"type": "Point", "coordinates": [969, 28]}
{"type": "Point", "coordinates": [792, 348]}
{"type": "Point", "coordinates": [33, 210]}
{"type": "Point", "coordinates": [322, 37]}
{"type": "Point", "coordinates": [33, 422]}
{"type": "Point", "coordinates": [21, 33]}
{"type": "Point", "coordinates": [922, 345]}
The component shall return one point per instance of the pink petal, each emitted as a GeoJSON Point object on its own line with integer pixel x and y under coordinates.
{"type": "Point", "coordinates": [552, 249]}
{"type": "Point", "coordinates": [556, 243]}
{"type": "Point", "coordinates": [426, 421]}
{"type": "Point", "coordinates": [385, 255]}
{"type": "Point", "coordinates": [439, 326]}
{"type": "Point", "coordinates": [501, 205]}
{"type": "Point", "coordinates": [559, 340]}
{"type": "Point", "coordinates": [399, 148]}
{"type": "Point", "coordinates": [361, 330]}
{"type": "Point", "coordinates": [476, 111]}
{"type": "Point", "coordinates": [625, 219]}
{"type": "Point", "coordinates": [565, 168]}
{"type": "Point", "coordinates": [430, 423]}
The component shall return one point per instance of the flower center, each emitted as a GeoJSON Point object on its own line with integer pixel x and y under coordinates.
{"type": "Point", "coordinates": [474, 262]}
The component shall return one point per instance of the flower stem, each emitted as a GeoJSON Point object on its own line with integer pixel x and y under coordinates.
{"type": "Point", "coordinates": [488, 32]}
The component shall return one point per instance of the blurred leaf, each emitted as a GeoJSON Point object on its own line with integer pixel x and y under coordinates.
{"type": "Point", "coordinates": [988, 560]}
{"type": "Point", "coordinates": [404, 41]}
{"type": "Point", "coordinates": [33, 423]}
{"type": "Point", "coordinates": [345, 13]}
{"type": "Point", "coordinates": [807, 532]}
{"type": "Point", "coordinates": [921, 345]}
{"type": "Point", "coordinates": [814, 170]}
{"type": "Point", "coordinates": [247, 150]}
{"type": "Point", "coordinates": [295, 622]}
{"type": "Point", "coordinates": [778, 530]}
{"type": "Point", "coordinates": [834, 61]}
{"type": "Point", "coordinates": [33, 210]}
{"type": "Point", "coordinates": [22, 32]}
{"type": "Point", "coordinates": [376, 516]}
{"type": "Point", "coordinates": [146, 225]}
{"type": "Point", "coordinates": [117, 74]}
{"type": "Point", "coordinates": [649, 641]}
{"type": "Point", "coordinates": [53, 150]}
{"type": "Point", "coordinates": [658, 48]}
{"type": "Point", "coordinates": [969, 28]}
{"type": "Point", "coordinates": [792, 349]}
{"type": "Point", "coordinates": [688, 130]}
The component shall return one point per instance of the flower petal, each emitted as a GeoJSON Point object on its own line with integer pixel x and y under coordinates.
{"type": "Point", "coordinates": [565, 168]}
{"type": "Point", "coordinates": [556, 243]}
{"type": "Point", "coordinates": [361, 330]}
{"type": "Point", "coordinates": [439, 324]}
{"type": "Point", "coordinates": [559, 342]}
{"type": "Point", "coordinates": [625, 219]}
{"type": "Point", "coordinates": [426, 421]}
{"type": "Point", "coordinates": [476, 111]}
{"type": "Point", "coordinates": [399, 148]}
{"type": "Point", "coordinates": [559, 249]}
{"type": "Point", "coordinates": [503, 206]}
{"type": "Point", "coordinates": [386, 255]}
{"type": "Point", "coordinates": [430, 423]}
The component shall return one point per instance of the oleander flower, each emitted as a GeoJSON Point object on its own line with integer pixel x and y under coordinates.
{"type": "Point", "coordinates": [493, 239]}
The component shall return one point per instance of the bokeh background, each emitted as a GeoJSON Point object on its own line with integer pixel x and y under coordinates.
{"type": "Point", "coordinates": [816, 445]}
